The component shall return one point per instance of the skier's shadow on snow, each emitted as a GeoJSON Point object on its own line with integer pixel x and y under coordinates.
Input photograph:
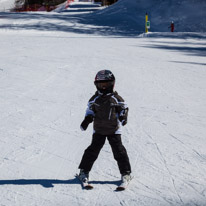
{"type": "Point", "coordinates": [48, 183]}
{"type": "Point", "coordinates": [43, 182]}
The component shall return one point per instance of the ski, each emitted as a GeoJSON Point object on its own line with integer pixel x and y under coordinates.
{"type": "Point", "coordinates": [85, 184]}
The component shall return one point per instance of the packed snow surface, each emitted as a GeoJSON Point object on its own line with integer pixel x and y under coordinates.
{"type": "Point", "coordinates": [48, 62]}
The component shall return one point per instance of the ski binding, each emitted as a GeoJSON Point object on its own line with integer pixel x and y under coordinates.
{"type": "Point", "coordinates": [85, 184]}
{"type": "Point", "coordinates": [124, 184]}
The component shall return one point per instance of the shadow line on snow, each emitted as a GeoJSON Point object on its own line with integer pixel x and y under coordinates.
{"type": "Point", "coordinates": [106, 182]}
{"type": "Point", "coordinates": [189, 50]}
{"type": "Point", "coordinates": [48, 183]}
{"type": "Point", "coordinates": [195, 63]}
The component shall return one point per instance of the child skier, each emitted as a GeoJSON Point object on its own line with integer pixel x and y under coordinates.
{"type": "Point", "coordinates": [107, 110]}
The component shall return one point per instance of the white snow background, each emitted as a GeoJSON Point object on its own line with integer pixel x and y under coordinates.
{"type": "Point", "coordinates": [48, 62]}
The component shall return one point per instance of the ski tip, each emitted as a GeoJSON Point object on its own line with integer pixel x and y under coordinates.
{"type": "Point", "coordinates": [88, 187]}
{"type": "Point", "coordinates": [118, 189]}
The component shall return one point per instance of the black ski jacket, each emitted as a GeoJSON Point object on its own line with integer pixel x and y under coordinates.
{"type": "Point", "coordinates": [107, 112]}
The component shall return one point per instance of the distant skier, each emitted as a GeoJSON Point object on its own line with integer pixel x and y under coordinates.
{"type": "Point", "coordinates": [172, 26]}
{"type": "Point", "coordinates": [107, 110]}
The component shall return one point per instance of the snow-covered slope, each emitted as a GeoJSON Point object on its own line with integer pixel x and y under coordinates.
{"type": "Point", "coordinates": [47, 66]}
{"type": "Point", "coordinates": [46, 79]}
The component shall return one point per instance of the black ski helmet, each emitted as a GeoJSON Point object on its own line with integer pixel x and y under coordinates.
{"type": "Point", "coordinates": [104, 81]}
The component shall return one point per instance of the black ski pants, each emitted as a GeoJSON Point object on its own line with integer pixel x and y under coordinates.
{"type": "Point", "coordinates": [119, 152]}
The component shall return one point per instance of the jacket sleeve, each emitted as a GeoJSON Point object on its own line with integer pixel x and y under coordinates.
{"type": "Point", "coordinates": [90, 111]}
{"type": "Point", "coordinates": [123, 116]}
{"type": "Point", "coordinates": [122, 110]}
{"type": "Point", "coordinates": [89, 116]}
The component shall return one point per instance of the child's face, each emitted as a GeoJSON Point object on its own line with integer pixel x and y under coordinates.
{"type": "Point", "coordinates": [104, 85]}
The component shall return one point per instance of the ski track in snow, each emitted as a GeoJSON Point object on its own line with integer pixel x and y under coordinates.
{"type": "Point", "coordinates": [44, 91]}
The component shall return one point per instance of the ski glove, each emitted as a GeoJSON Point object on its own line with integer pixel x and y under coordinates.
{"type": "Point", "coordinates": [87, 120]}
{"type": "Point", "coordinates": [124, 122]}
{"type": "Point", "coordinates": [123, 116]}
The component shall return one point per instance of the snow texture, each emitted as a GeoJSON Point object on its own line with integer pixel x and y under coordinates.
{"type": "Point", "coordinates": [48, 62]}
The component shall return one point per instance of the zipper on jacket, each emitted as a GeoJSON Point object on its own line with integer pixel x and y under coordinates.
{"type": "Point", "coordinates": [110, 113]}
